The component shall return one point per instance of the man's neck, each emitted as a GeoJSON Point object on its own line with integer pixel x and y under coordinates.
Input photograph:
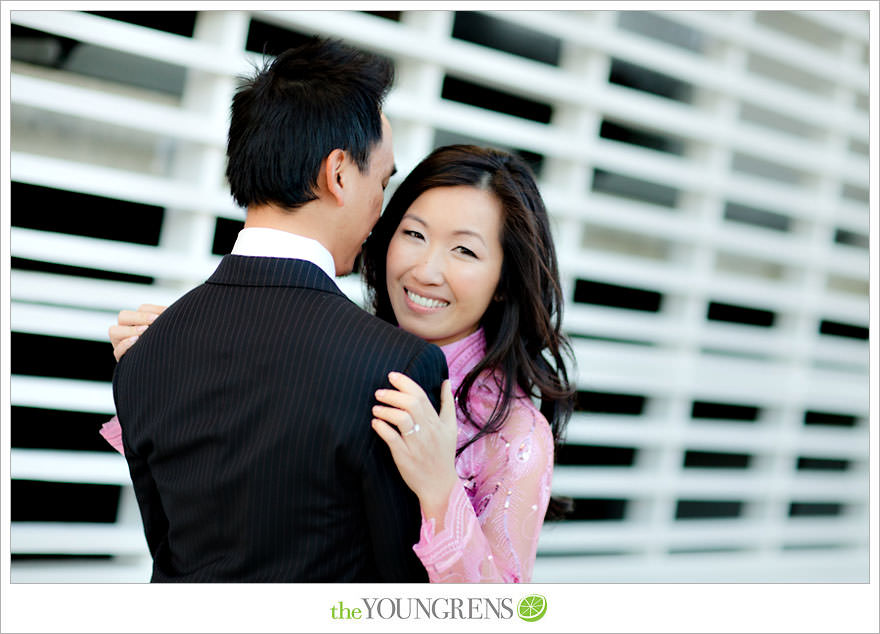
{"type": "Point", "coordinates": [303, 221]}
{"type": "Point", "coordinates": [308, 221]}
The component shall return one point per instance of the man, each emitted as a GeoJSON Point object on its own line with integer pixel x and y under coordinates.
{"type": "Point", "coordinates": [245, 408]}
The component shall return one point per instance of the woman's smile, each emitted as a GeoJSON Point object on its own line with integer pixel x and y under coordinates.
{"type": "Point", "coordinates": [422, 303]}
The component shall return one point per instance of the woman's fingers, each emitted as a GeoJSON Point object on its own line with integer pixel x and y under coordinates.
{"type": "Point", "coordinates": [406, 385]}
{"type": "Point", "coordinates": [410, 396]}
{"type": "Point", "coordinates": [118, 333]}
{"type": "Point", "coordinates": [398, 399]}
{"type": "Point", "coordinates": [136, 318]}
{"type": "Point", "coordinates": [151, 308]}
{"type": "Point", "coordinates": [390, 436]}
{"type": "Point", "coordinates": [122, 347]}
{"type": "Point", "coordinates": [398, 417]}
{"type": "Point", "coordinates": [447, 403]}
{"type": "Point", "coordinates": [123, 337]}
{"type": "Point", "coordinates": [130, 324]}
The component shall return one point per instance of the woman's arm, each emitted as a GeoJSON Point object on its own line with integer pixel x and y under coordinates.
{"type": "Point", "coordinates": [491, 536]}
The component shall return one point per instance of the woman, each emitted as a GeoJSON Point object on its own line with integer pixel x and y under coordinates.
{"type": "Point", "coordinates": [463, 257]}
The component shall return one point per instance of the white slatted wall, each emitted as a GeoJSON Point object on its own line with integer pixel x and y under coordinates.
{"type": "Point", "coordinates": [705, 448]}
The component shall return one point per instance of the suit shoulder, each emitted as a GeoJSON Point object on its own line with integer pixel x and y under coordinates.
{"type": "Point", "coordinates": [377, 328]}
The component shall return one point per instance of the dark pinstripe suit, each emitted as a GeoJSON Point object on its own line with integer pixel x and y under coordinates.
{"type": "Point", "coordinates": [245, 411]}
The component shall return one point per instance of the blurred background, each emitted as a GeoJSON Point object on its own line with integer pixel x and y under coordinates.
{"type": "Point", "coordinates": [707, 176]}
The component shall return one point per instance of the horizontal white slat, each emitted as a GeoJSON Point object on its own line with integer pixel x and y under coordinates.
{"type": "Point", "coordinates": [648, 434]}
{"type": "Point", "coordinates": [150, 43]}
{"type": "Point", "coordinates": [124, 185]}
{"type": "Point", "coordinates": [62, 394]}
{"type": "Point", "coordinates": [61, 321]}
{"type": "Point", "coordinates": [580, 536]}
{"type": "Point", "coordinates": [101, 295]}
{"type": "Point", "coordinates": [622, 270]}
{"type": "Point", "coordinates": [830, 566]}
{"type": "Point", "coordinates": [798, 202]}
{"type": "Point", "coordinates": [721, 338]}
{"type": "Point", "coordinates": [845, 351]}
{"type": "Point", "coordinates": [628, 369]}
{"type": "Point", "coordinates": [121, 570]}
{"type": "Point", "coordinates": [843, 21]}
{"type": "Point", "coordinates": [828, 390]}
{"type": "Point", "coordinates": [110, 255]}
{"type": "Point", "coordinates": [695, 176]}
{"type": "Point", "coordinates": [644, 369]}
{"type": "Point", "coordinates": [705, 484]}
{"type": "Point", "coordinates": [681, 279]}
{"type": "Point", "coordinates": [69, 466]}
{"type": "Point", "coordinates": [848, 566]}
{"type": "Point", "coordinates": [851, 216]}
{"type": "Point", "coordinates": [753, 381]}
{"type": "Point", "coordinates": [735, 238]}
{"type": "Point", "coordinates": [489, 126]}
{"type": "Point", "coordinates": [621, 323]}
{"type": "Point", "coordinates": [76, 101]}
{"type": "Point", "coordinates": [781, 298]}
{"type": "Point", "coordinates": [47, 538]}
{"type": "Point", "coordinates": [671, 171]}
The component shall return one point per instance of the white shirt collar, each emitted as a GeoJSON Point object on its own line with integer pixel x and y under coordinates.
{"type": "Point", "coordinates": [274, 243]}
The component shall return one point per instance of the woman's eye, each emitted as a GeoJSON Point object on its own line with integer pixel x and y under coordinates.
{"type": "Point", "coordinates": [466, 251]}
{"type": "Point", "coordinates": [413, 234]}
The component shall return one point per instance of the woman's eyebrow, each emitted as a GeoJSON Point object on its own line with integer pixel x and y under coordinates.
{"type": "Point", "coordinates": [469, 232]}
{"type": "Point", "coordinates": [414, 217]}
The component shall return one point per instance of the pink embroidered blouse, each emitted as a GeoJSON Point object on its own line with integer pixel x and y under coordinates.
{"type": "Point", "coordinates": [494, 518]}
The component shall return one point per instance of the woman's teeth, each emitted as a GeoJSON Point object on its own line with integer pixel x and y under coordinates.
{"type": "Point", "coordinates": [424, 301]}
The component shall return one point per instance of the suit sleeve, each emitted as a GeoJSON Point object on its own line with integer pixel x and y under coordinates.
{"type": "Point", "coordinates": [392, 509]}
{"type": "Point", "coordinates": [152, 514]}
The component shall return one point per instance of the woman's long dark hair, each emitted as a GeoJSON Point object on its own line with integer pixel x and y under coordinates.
{"type": "Point", "coordinates": [524, 339]}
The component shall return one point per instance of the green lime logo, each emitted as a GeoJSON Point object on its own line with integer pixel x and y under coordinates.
{"type": "Point", "coordinates": [532, 608]}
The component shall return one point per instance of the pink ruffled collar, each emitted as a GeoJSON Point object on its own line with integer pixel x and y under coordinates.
{"type": "Point", "coordinates": [463, 355]}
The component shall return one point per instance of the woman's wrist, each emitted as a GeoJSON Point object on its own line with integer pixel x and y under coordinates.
{"type": "Point", "coordinates": [434, 501]}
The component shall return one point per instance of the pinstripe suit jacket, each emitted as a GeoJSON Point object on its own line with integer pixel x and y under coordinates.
{"type": "Point", "coordinates": [245, 411]}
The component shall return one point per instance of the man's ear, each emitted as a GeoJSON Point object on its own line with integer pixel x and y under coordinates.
{"type": "Point", "coordinates": [334, 165]}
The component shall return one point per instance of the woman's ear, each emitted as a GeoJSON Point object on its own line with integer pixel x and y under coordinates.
{"type": "Point", "coordinates": [332, 175]}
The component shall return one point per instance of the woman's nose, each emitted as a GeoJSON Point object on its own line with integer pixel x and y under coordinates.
{"type": "Point", "coordinates": [430, 269]}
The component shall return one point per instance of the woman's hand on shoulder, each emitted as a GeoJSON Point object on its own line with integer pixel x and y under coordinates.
{"type": "Point", "coordinates": [130, 324]}
{"type": "Point", "coordinates": [422, 442]}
